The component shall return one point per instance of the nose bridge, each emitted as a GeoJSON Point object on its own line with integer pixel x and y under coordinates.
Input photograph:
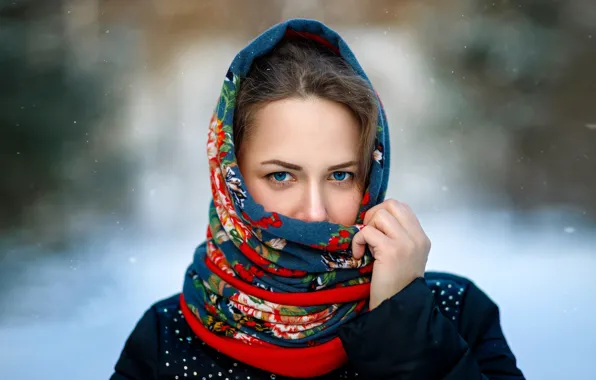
{"type": "Point", "coordinates": [314, 202]}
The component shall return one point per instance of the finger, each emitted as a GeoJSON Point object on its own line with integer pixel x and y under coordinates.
{"type": "Point", "coordinates": [409, 224]}
{"type": "Point", "coordinates": [388, 224]}
{"type": "Point", "coordinates": [371, 213]}
{"type": "Point", "coordinates": [405, 216]}
{"type": "Point", "coordinates": [368, 236]}
{"type": "Point", "coordinates": [403, 213]}
{"type": "Point", "coordinates": [415, 228]}
{"type": "Point", "coordinates": [390, 205]}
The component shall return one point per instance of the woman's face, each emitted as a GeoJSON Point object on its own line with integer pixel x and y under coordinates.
{"type": "Point", "coordinates": [301, 158]}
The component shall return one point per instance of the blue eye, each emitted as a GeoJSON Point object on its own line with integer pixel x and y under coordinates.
{"type": "Point", "coordinates": [280, 176]}
{"type": "Point", "coordinates": [340, 176]}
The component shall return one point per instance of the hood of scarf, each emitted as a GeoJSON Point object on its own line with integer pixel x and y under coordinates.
{"type": "Point", "coordinates": [263, 288]}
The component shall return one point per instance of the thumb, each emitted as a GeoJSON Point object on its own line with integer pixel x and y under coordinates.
{"type": "Point", "coordinates": [358, 245]}
{"type": "Point", "coordinates": [371, 237]}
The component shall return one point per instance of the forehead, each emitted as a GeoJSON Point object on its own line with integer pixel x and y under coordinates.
{"type": "Point", "coordinates": [305, 126]}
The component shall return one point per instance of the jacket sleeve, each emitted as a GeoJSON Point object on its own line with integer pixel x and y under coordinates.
{"type": "Point", "coordinates": [407, 337]}
{"type": "Point", "coordinates": [139, 358]}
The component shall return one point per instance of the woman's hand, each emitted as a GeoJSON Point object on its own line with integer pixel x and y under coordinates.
{"type": "Point", "coordinates": [398, 244]}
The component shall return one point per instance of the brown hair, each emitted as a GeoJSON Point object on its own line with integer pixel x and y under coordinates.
{"type": "Point", "coordinates": [302, 68]}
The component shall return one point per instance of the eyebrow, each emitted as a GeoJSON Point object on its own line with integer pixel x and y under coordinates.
{"type": "Point", "coordinates": [343, 165]}
{"type": "Point", "coordinates": [287, 165]}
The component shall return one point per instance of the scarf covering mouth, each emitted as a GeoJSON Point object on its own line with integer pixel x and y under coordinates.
{"type": "Point", "coordinates": [266, 289]}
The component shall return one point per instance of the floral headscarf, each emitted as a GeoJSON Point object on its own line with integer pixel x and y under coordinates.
{"type": "Point", "coordinates": [263, 284]}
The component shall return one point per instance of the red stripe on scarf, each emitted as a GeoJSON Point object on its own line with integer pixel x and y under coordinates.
{"type": "Point", "coordinates": [264, 264]}
{"type": "Point", "coordinates": [292, 362]}
{"type": "Point", "coordinates": [314, 37]}
{"type": "Point", "coordinates": [320, 297]}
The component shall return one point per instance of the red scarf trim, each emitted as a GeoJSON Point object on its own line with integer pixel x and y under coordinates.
{"type": "Point", "coordinates": [292, 362]}
{"type": "Point", "coordinates": [321, 297]}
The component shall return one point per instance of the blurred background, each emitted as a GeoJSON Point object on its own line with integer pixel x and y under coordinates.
{"type": "Point", "coordinates": [104, 108]}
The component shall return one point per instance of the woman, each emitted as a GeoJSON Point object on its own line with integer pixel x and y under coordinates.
{"type": "Point", "coordinates": [306, 271]}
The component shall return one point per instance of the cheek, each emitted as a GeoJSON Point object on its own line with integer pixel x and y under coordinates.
{"type": "Point", "coordinates": [270, 199]}
{"type": "Point", "coordinates": [343, 206]}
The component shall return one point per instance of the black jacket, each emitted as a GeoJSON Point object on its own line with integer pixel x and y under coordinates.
{"type": "Point", "coordinates": [440, 327]}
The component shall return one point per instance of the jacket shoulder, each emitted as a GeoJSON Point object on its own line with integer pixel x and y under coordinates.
{"type": "Point", "coordinates": [471, 293]}
{"type": "Point", "coordinates": [449, 292]}
{"type": "Point", "coordinates": [445, 276]}
{"type": "Point", "coordinates": [166, 303]}
{"type": "Point", "coordinates": [140, 357]}
{"type": "Point", "coordinates": [459, 299]}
